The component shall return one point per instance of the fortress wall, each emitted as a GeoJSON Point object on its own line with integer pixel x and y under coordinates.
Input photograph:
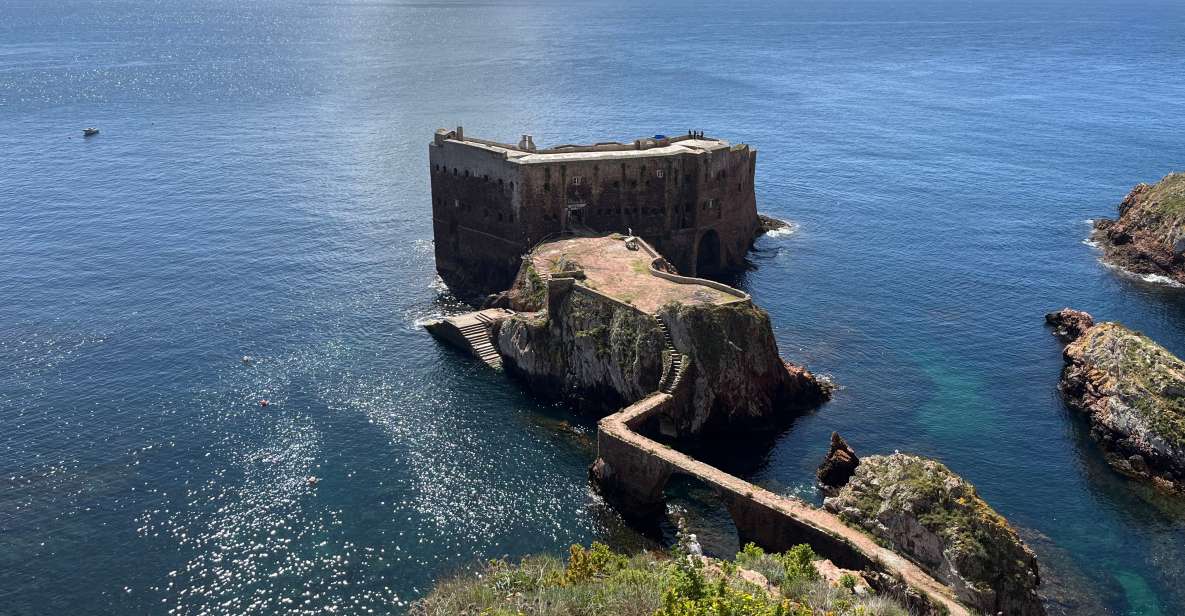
{"type": "Point", "coordinates": [488, 209]}
{"type": "Point", "coordinates": [476, 223]}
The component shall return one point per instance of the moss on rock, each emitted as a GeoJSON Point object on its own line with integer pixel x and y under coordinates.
{"type": "Point", "coordinates": [920, 508]}
{"type": "Point", "coordinates": [1133, 391]}
{"type": "Point", "coordinates": [1149, 235]}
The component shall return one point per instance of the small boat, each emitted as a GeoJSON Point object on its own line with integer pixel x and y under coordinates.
{"type": "Point", "coordinates": [90, 130]}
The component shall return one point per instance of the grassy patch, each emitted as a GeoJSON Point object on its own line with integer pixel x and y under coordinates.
{"type": "Point", "coordinates": [597, 581]}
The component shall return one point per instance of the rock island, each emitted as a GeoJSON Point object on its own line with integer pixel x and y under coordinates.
{"type": "Point", "coordinates": [1133, 392]}
{"type": "Point", "coordinates": [1149, 235]}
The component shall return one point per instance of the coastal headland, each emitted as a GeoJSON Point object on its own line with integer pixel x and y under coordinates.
{"type": "Point", "coordinates": [1148, 237]}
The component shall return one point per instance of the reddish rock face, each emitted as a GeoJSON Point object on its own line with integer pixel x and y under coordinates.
{"type": "Point", "coordinates": [1069, 324]}
{"type": "Point", "coordinates": [1148, 238]}
{"type": "Point", "coordinates": [839, 465]}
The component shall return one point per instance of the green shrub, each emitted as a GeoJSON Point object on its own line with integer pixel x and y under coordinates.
{"type": "Point", "coordinates": [597, 581]}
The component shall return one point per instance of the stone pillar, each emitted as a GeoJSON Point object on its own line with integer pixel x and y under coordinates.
{"type": "Point", "coordinates": [631, 480]}
{"type": "Point", "coordinates": [775, 531]}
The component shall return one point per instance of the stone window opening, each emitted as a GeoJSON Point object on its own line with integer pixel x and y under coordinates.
{"type": "Point", "coordinates": [658, 173]}
{"type": "Point", "coordinates": [577, 180]}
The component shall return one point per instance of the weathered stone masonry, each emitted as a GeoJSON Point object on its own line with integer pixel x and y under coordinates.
{"type": "Point", "coordinates": [690, 196]}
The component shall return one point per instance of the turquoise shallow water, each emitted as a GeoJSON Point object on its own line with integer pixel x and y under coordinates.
{"type": "Point", "coordinates": [260, 188]}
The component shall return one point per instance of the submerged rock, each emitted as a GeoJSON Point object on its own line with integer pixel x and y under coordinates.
{"type": "Point", "coordinates": [1068, 324]}
{"type": "Point", "coordinates": [1149, 235]}
{"type": "Point", "coordinates": [839, 465]}
{"type": "Point", "coordinates": [922, 509]}
{"type": "Point", "coordinates": [769, 223]}
{"type": "Point", "coordinates": [1133, 391]}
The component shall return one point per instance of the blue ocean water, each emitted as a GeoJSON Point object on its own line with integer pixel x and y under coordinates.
{"type": "Point", "coordinates": [260, 188]}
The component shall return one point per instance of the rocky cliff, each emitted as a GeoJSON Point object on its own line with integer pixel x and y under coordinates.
{"type": "Point", "coordinates": [1133, 391]}
{"type": "Point", "coordinates": [595, 354]}
{"type": "Point", "coordinates": [923, 510]}
{"type": "Point", "coordinates": [602, 354]}
{"type": "Point", "coordinates": [1149, 235]}
{"type": "Point", "coordinates": [736, 380]}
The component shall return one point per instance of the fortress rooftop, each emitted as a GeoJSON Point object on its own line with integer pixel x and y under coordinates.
{"type": "Point", "coordinates": [526, 153]}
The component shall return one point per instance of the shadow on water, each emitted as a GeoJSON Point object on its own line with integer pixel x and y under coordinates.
{"type": "Point", "coordinates": [697, 505]}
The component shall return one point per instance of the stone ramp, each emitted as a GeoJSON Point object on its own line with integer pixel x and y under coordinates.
{"type": "Point", "coordinates": [471, 332]}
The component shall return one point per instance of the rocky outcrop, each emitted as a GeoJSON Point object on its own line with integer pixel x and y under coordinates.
{"type": "Point", "coordinates": [1149, 235]}
{"type": "Point", "coordinates": [1133, 391]}
{"type": "Point", "coordinates": [839, 465]}
{"type": "Point", "coordinates": [736, 380]}
{"type": "Point", "coordinates": [925, 511]}
{"type": "Point", "coordinates": [765, 224]}
{"type": "Point", "coordinates": [594, 354]}
{"type": "Point", "coordinates": [528, 292]}
{"type": "Point", "coordinates": [602, 355]}
{"type": "Point", "coordinates": [1068, 324]}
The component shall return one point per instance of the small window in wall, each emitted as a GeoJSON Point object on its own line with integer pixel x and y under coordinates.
{"type": "Point", "coordinates": [658, 173]}
{"type": "Point", "coordinates": [457, 203]}
{"type": "Point", "coordinates": [577, 180]}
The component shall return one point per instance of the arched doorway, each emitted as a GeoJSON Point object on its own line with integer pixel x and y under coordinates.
{"type": "Point", "coordinates": [707, 254]}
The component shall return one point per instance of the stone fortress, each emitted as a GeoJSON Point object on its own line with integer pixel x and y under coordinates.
{"type": "Point", "coordinates": [689, 196]}
{"type": "Point", "coordinates": [598, 256]}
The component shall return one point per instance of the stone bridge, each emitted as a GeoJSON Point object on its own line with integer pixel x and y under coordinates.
{"type": "Point", "coordinates": [632, 471]}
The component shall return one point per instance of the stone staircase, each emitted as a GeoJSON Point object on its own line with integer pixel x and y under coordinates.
{"type": "Point", "coordinates": [478, 335]}
{"type": "Point", "coordinates": [674, 374]}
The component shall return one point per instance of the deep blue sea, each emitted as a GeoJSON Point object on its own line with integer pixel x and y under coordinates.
{"type": "Point", "coordinates": [260, 187]}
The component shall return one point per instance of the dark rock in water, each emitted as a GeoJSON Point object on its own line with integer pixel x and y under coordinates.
{"type": "Point", "coordinates": [839, 465]}
{"type": "Point", "coordinates": [1149, 235]}
{"type": "Point", "coordinates": [1068, 324]}
{"type": "Point", "coordinates": [922, 509]}
{"type": "Point", "coordinates": [1133, 391]}
{"type": "Point", "coordinates": [769, 223]}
